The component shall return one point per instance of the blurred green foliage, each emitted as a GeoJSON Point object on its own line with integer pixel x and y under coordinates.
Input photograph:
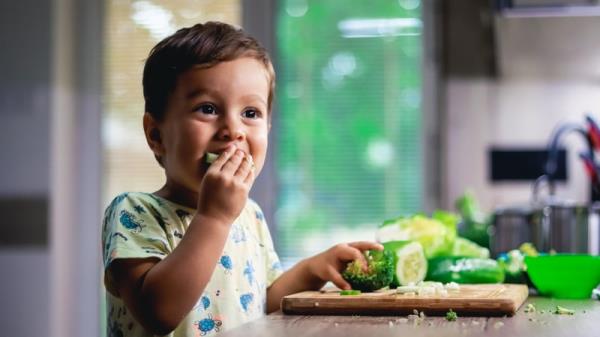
{"type": "Point", "coordinates": [348, 129]}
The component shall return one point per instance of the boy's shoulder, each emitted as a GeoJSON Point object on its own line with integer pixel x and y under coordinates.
{"type": "Point", "coordinates": [254, 209]}
{"type": "Point", "coordinates": [140, 201]}
{"type": "Point", "coordinates": [253, 205]}
{"type": "Point", "coordinates": [132, 197]}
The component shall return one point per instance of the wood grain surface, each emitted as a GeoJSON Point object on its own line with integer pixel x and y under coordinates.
{"type": "Point", "coordinates": [542, 322]}
{"type": "Point", "coordinates": [471, 300]}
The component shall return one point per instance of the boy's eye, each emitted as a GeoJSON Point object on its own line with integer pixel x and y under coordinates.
{"type": "Point", "coordinates": [208, 109]}
{"type": "Point", "coordinates": [251, 113]}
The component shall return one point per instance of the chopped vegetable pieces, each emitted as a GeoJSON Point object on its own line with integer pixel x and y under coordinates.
{"type": "Point", "coordinates": [350, 292]}
{"type": "Point", "coordinates": [451, 316]}
{"type": "Point", "coordinates": [563, 311]}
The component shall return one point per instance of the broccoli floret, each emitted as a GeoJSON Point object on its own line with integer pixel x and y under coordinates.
{"type": "Point", "coordinates": [451, 316]}
{"type": "Point", "coordinates": [379, 272]}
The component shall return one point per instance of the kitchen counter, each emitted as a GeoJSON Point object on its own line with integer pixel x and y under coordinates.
{"type": "Point", "coordinates": [585, 322]}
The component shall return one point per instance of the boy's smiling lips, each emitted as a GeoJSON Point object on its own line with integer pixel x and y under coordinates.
{"type": "Point", "coordinates": [223, 149]}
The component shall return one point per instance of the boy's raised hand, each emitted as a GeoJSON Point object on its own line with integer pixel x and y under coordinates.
{"type": "Point", "coordinates": [328, 265]}
{"type": "Point", "coordinates": [225, 186]}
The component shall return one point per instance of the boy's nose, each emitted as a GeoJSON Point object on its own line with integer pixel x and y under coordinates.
{"type": "Point", "coordinates": [231, 132]}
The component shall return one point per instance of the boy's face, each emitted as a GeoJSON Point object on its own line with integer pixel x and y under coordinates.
{"type": "Point", "coordinates": [209, 110]}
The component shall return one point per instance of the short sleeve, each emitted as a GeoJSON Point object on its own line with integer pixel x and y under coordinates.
{"type": "Point", "coordinates": [133, 228]}
{"type": "Point", "coordinates": [273, 265]}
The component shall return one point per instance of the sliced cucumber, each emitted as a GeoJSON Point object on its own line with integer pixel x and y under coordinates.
{"type": "Point", "coordinates": [211, 157]}
{"type": "Point", "coordinates": [409, 260]}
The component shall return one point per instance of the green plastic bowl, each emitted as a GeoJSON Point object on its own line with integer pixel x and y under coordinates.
{"type": "Point", "coordinates": [564, 275]}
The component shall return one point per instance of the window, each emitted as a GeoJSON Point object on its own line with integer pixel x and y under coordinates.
{"type": "Point", "coordinates": [132, 29]}
{"type": "Point", "coordinates": [349, 120]}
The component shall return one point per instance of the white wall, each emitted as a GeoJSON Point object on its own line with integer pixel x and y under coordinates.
{"type": "Point", "coordinates": [515, 113]}
{"type": "Point", "coordinates": [24, 134]}
{"type": "Point", "coordinates": [548, 73]}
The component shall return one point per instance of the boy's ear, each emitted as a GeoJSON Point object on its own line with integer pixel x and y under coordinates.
{"type": "Point", "coordinates": [153, 136]}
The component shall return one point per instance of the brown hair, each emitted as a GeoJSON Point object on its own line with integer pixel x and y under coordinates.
{"type": "Point", "coordinates": [202, 44]}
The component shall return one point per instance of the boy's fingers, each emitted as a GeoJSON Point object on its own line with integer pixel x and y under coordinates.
{"type": "Point", "coordinates": [250, 177]}
{"type": "Point", "coordinates": [348, 253]}
{"type": "Point", "coordinates": [366, 245]}
{"type": "Point", "coordinates": [245, 167]}
{"type": "Point", "coordinates": [223, 158]}
{"type": "Point", "coordinates": [231, 166]}
{"type": "Point", "coordinates": [337, 279]}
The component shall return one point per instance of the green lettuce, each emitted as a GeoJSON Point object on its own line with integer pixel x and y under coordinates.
{"type": "Point", "coordinates": [436, 234]}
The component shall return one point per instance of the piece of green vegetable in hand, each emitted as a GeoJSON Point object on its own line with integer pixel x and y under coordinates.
{"type": "Point", "coordinates": [563, 311]}
{"type": "Point", "coordinates": [464, 270]}
{"type": "Point", "coordinates": [210, 157]}
{"type": "Point", "coordinates": [378, 273]}
{"type": "Point", "coordinates": [350, 292]}
{"type": "Point", "coordinates": [410, 265]}
{"type": "Point", "coordinates": [451, 316]}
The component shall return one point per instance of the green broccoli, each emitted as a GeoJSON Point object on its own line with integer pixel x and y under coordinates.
{"type": "Point", "coordinates": [379, 272]}
{"type": "Point", "coordinates": [451, 316]}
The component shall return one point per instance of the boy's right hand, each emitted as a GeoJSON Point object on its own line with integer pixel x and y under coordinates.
{"type": "Point", "coordinates": [225, 186]}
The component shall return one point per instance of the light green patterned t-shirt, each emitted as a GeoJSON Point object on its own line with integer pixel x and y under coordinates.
{"type": "Point", "coordinates": [142, 225]}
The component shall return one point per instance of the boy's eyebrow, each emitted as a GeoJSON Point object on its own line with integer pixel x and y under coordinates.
{"type": "Point", "coordinates": [199, 91]}
{"type": "Point", "coordinates": [258, 97]}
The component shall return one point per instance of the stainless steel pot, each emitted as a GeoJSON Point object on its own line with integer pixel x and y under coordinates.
{"type": "Point", "coordinates": [560, 226]}
{"type": "Point", "coordinates": [511, 226]}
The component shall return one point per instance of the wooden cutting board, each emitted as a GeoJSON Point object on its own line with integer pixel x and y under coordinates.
{"type": "Point", "coordinates": [469, 300]}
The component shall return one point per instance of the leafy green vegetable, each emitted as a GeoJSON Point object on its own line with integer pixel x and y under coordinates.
{"type": "Point", "coordinates": [378, 273]}
{"type": "Point", "coordinates": [451, 316]}
{"type": "Point", "coordinates": [467, 248]}
{"type": "Point", "coordinates": [437, 237]}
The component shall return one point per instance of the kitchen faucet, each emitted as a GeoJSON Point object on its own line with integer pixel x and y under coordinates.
{"type": "Point", "coordinates": [592, 140]}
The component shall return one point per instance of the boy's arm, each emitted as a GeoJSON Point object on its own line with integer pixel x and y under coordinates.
{"type": "Point", "coordinates": [160, 293]}
{"type": "Point", "coordinates": [297, 279]}
{"type": "Point", "coordinates": [314, 272]}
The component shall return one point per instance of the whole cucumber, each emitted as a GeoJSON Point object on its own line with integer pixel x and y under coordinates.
{"type": "Point", "coordinates": [464, 270]}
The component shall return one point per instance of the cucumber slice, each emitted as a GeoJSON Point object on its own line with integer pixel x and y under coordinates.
{"type": "Point", "coordinates": [211, 157]}
{"type": "Point", "coordinates": [409, 260]}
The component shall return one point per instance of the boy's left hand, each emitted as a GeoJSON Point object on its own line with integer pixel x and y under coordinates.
{"type": "Point", "coordinates": [328, 265]}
